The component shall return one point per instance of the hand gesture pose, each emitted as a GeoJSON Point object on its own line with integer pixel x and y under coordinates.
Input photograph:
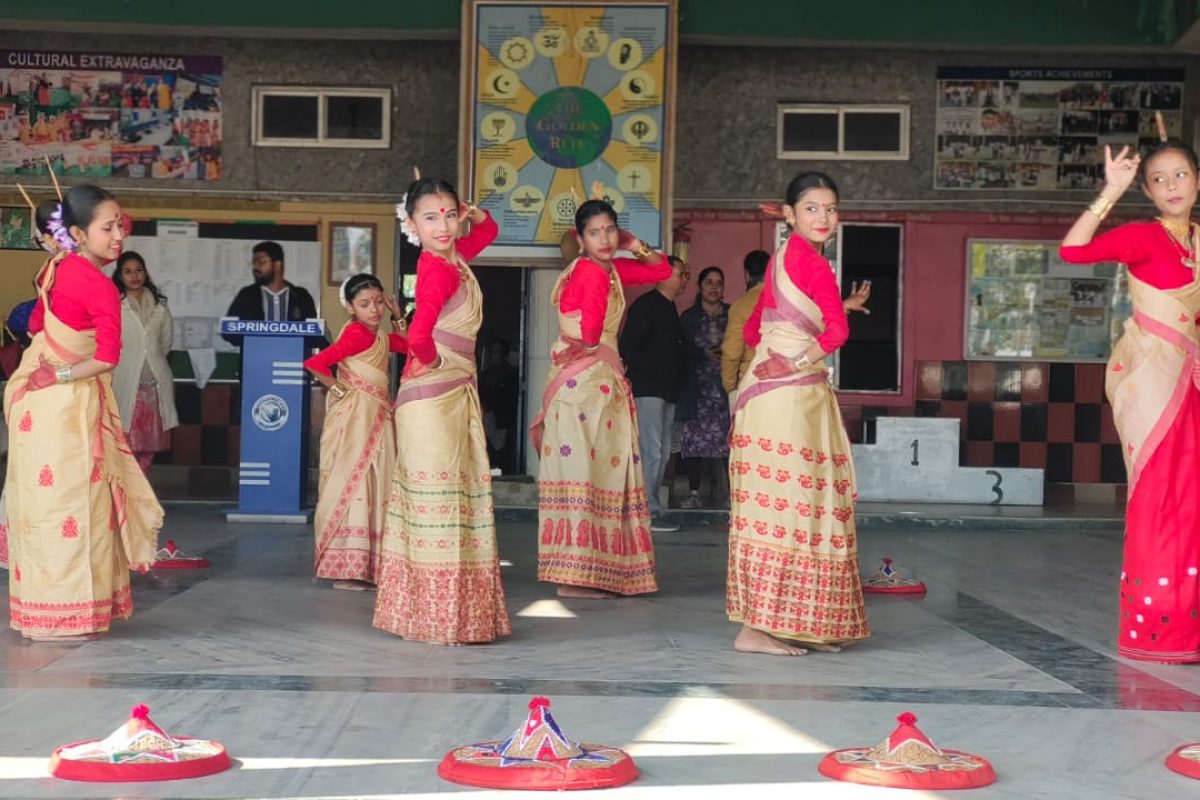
{"type": "Point", "coordinates": [1120, 172]}
{"type": "Point", "coordinates": [776, 366]}
{"type": "Point", "coordinates": [45, 375]}
{"type": "Point", "coordinates": [469, 213]}
{"type": "Point", "coordinates": [857, 299]}
{"type": "Point", "coordinates": [627, 241]}
{"type": "Point", "coordinates": [393, 307]}
{"type": "Point", "coordinates": [574, 351]}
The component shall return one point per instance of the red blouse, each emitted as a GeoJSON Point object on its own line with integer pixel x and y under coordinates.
{"type": "Point", "coordinates": [437, 281]}
{"type": "Point", "coordinates": [587, 290]}
{"type": "Point", "coordinates": [356, 338]}
{"type": "Point", "coordinates": [813, 276]}
{"type": "Point", "coordinates": [84, 299]}
{"type": "Point", "coordinates": [1152, 255]}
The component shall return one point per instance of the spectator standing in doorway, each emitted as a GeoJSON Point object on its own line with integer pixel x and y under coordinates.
{"type": "Point", "coordinates": [652, 347]}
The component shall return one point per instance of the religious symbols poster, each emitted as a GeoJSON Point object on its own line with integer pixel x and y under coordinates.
{"type": "Point", "coordinates": [1046, 128]}
{"type": "Point", "coordinates": [559, 96]}
{"type": "Point", "coordinates": [100, 115]}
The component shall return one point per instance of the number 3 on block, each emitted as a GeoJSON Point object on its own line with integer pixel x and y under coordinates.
{"type": "Point", "coordinates": [996, 486]}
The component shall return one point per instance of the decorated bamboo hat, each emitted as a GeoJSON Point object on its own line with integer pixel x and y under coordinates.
{"type": "Point", "coordinates": [538, 755]}
{"type": "Point", "coordinates": [1185, 760]}
{"type": "Point", "coordinates": [888, 580]}
{"type": "Point", "coordinates": [139, 750]}
{"type": "Point", "coordinates": [908, 759]}
{"type": "Point", "coordinates": [171, 557]}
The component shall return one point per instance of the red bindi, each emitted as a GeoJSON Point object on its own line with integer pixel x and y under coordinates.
{"type": "Point", "coordinates": [441, 211]}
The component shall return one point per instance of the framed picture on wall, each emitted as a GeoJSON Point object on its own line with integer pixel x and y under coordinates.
{"type": "Point", "coordinates": [351, 250]}
{"type": "Point", "coordinates": [16, 229]}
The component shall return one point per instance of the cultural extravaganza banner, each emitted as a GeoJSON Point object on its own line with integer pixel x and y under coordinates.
{"type": "Point", "coordinates": [96, 115]}
{"type": "Point", "coordinates": [1045, 128]}
{"type": "Point", "coordinates": [558, 96]}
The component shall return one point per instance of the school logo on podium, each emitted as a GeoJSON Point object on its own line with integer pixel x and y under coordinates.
{"type": "Point", "coordinates": [270, 412]}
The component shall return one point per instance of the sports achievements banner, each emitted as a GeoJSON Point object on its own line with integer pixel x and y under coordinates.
{"type": "Point", "coordinates": [1046, 128]}
{"type": "Point", "coordinates": [96, 115]}
{"type": "Point", "coordinates": [558, 96]}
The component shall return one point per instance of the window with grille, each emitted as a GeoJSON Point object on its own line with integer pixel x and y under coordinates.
{"type": "Point", "coordinates": [843, 132]}
{"type": "Point", "coordinates": [304, 116]}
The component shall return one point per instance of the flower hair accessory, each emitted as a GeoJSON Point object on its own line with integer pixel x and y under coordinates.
{"type": "Point", "coordinates": [59, 231]}
{"type": "Point", "coordinates": [405, 226]}
{"type": "Point", "coordinates": [342, 292]}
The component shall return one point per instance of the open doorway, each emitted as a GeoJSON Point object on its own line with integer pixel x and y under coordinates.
{"type": "Point", "coordinates": [870, 359]}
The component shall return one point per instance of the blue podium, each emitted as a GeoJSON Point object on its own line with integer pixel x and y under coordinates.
{"type": "Point", "coordinates": [273, 469]}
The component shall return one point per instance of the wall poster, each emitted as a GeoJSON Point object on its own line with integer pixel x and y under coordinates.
{"type": "Point", "coordinates": [1025, 303]}
{"type": "Point", "coordinates": [99, 115]}
{"type": "Point", "coordinates": [1044, 129]}
{"type": "Point", "coordinates": [557, 96]}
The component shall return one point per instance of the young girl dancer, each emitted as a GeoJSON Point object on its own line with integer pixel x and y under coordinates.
{"type": "Point", "coordinates": [440, 571]}
{"type": "Point", "coordinates": [1151, 383]}
{"type": "Point", "coordinates": [793, 556]}
{"type": "Point", "coordinates": [594, 523]}
{"type": "Point", "coordinates": [358, 443]}
{"type": "Point", "coordinates": [80, 511]}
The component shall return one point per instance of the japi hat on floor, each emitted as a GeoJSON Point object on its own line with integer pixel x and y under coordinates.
{"type": "Point", "coordinates": [139, 750]}
{"type": "Point", "coordinates": [887, 580]}
{"type": "Point", "coordinates": [1185, 760]}
{"type": "Point", "coordinates": [171, 557]}
{"type": "Point", "coordinates": [908, 759]}
{"type": "Point", "coordinates": [538, 755]}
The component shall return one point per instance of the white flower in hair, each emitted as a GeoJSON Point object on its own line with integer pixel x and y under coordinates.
{"type": "Point", "coordinates": [405, 227]}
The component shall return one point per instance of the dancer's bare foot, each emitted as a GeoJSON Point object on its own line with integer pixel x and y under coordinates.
{"type": "Point", "coordinates": [354, 586]}
{"type": "Point", "coordinates": [823, 648]}
{"type": "Point", "coordinates": [81, 637]}
{"type": "Point", "coordinates": [583, 591]}
{"type": "Point", "coordinates": [750, 640]}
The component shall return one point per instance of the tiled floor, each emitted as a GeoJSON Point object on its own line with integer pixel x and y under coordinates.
{"type": "Point", "coordinates": [1010, 655]}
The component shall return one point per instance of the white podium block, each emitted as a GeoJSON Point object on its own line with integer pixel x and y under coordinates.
{"type": "Point", "coordinates": [915, 459]}
{"type": "Point", "coordinates": [917, 441]}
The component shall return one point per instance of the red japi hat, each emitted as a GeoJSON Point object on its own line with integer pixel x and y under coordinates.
{"type": "Point", "coordinates": [139, 750]}
{"type": "Point", "coordinates": [171, 557]}
{"type": "Point", "coordinates": [887, 580]}
{"type": "Point", "coordinates": [1185, 760]}
{"type": "Point", "coordinates": [538, 755]}
{"type": "Point", "coordinates": [908, 759]}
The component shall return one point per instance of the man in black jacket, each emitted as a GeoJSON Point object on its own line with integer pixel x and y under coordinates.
{"type": "Point", "coordinates": [270, 297]}
{"type": "Point", "coordinates": [651, 345]}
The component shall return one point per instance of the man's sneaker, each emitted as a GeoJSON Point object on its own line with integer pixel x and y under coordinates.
{"type": "Point", "coordinates": [691, 501]}
{"type": "Point", "coordinates": [663, 525]}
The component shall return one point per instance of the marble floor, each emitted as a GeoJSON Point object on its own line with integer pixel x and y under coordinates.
{"type": "Point", "coordinates": [1010, 655]}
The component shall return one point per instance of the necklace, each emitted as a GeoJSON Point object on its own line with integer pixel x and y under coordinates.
{"type": "Point", "coordinates": [1180, 230]}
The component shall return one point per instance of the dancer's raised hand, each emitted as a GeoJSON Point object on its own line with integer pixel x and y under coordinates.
{"type": "Point", "coordinates": [1120, 171]}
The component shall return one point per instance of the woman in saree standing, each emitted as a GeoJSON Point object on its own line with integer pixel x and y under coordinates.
{"type": "Point", "coordinates": [358, 442]}
{"type": "Point", "coordinates": [439, 575]}
{"type": "Point", "coordinates": [80, 510]}
{"type": "Point", "coordinates": [594, 523]}
{"type": "Point", "coordinates": [793, 556]}
{"type": "Point", "coordinates": [1151, 383]}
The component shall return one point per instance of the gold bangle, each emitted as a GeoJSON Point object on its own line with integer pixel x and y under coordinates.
{"type": "Point", "coordinates": [643, 252]}
{"type": "Point", "coordinates": [339, 390]}
{"type": "Point", "coordinates": [801, 361]}
{"type": "Point", "coordinates": [1100, 207]}
{"type": "Point", "coordinates": [63, 374]}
